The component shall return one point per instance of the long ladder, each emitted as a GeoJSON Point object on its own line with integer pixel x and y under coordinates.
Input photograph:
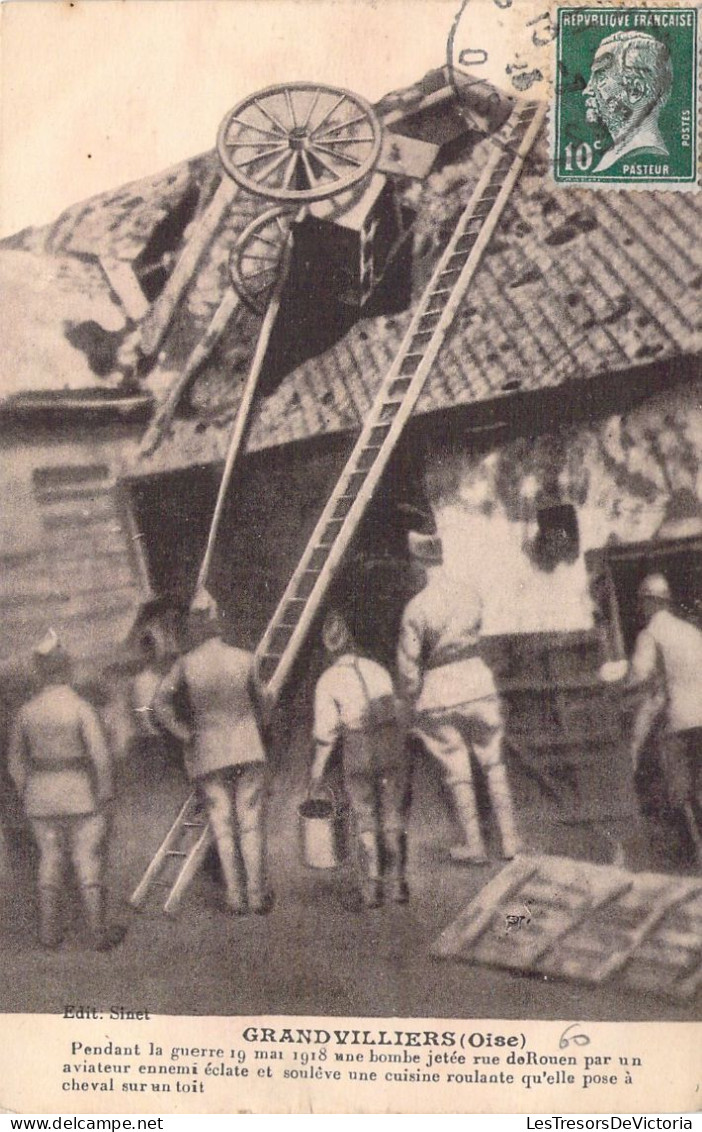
{"type": "Point", "coordinates": [384, 424]}
{"type": "Point", "coordinates": [394, 403]}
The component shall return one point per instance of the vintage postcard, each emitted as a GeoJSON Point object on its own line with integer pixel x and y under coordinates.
{"type": "Point", "coordinates": [351, 591]}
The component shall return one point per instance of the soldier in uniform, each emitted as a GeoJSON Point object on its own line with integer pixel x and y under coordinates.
{"type": "Point", "coordinates": [62, 769]}
{"type": "Point", "coordinates": [355, 706]}
{"type": "Point", "coordinates": [224, 752]}
{"type": "Point", "coordinates": [453, 696]}
{"type": "Point", "coordinates": [667, 667]}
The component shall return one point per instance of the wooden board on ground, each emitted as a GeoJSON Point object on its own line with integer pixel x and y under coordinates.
{"type": "Point", "coordinates": [594, 923]}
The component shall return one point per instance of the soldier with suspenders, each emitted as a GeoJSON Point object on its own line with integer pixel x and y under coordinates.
{"type": "Point", "coordinates": [667, 667]}
{"type": "Point", "coordinates": [355, 706]}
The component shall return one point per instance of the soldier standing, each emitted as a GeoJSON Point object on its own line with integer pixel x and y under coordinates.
{"type": "Point", "coordinates": [667, 666]}
{"type": "Point", "coordinates": [453, 695]}
{"type": "Point", "coordinates": [355, 706]}
{"type": "Point", "coordinates": [224, 753]}
{"type": "Point", "coordinates": [62, 769]}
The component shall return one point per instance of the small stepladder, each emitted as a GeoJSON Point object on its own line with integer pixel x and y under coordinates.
{"type": "Point", "coordinates": [182, 852]}
{"type": "Point", "coordinates": [382, 428]}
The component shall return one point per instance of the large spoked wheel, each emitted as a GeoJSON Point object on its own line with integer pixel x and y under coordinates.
{"type": "Point", "coordinates": [299, 142]}
{"type": "Point", "coordinates": [255, 259]}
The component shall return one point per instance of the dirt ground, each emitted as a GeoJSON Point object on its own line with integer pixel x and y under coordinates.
{"type": "Point", "coordinates": [311, 955]}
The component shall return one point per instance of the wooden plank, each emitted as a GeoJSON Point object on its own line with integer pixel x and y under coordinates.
{"type": "Point", "coordinates": [157, 321]}
{"type": "Point", "coordinates": [126, 286]}
{"type": "Point", "coordinates": [165, 413]}
{"type": "Point", "coordinates": [64, 581]}
{"type": "Point", "coordinates": [596, 948]}
{"type": "Point", "coordinates": [58, 476]}
{"type": "Point", "coordinates": [243, 416]}
{"type": "Point", "coordinates": [566, 896]}
{"type": "Point", "coordinates": [75, 519]}
{"type": "Point", "coordinates": [457, 939]}
{"type": "Point", "coordinates": [586, 922]}
{"type": "Point", "coordinates": [90, 604]}
{"type": "Point", "coordinates": [103, 537]}
{"type": "Point", "coordinates": [436, 98]}
{"type": "Point", "coordinates": [669, 960]}
{"type": "Point", "coordinates": [83, 493]}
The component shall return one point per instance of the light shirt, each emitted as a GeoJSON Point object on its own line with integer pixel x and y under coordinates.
{"type": "Point", "coordinates": [353, 694]}
{"type": "Point", "coordinates": [58, 757]}
{"type": "Point", "coordinates": [215, 678]}
{"type": "Point", "coordinates": [437, 661]}
{"type": "Point", "coordinates": [678, 644]}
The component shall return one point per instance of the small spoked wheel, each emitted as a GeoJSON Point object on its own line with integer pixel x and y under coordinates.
{"type": "Point", "coordinates": [255, 258]}
{"type": "Point", "coordinates": [299, 142]}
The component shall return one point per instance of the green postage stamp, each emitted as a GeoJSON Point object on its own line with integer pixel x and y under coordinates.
{"type": "Point", "coordinates": [626, 97]}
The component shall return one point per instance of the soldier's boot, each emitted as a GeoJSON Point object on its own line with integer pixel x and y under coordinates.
{"type": "Point", "coordinates": [102, 936]}
{"type": "Point", "coordinates": [371, 886]}
{"type": "Point", "coordinates": [260, 898]}
{"type": "Point", "coordinates": [235, 901]}
{"type": "Point", "coordinates": [473, 849]}
{"type": "Point", "coordinates": [501, 798]}
{"type": "Point", "coordinates": [50, 917]}
{"type": "Point", "coordinates": [396, 888]}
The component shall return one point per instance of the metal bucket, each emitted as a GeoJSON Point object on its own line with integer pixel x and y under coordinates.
{"type": "Point", "coordinates": [323, 832]}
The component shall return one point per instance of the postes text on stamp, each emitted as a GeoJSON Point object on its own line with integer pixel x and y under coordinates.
{"type": "Point", "coordinates": [625, 97]}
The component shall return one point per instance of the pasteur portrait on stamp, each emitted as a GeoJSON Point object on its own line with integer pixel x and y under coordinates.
{"type": "Point", "coordinates": [625, 96]}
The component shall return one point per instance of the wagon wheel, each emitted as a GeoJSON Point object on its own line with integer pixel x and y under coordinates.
{"type": "Point", "coordinates": [299, 142]}
{"type": "Point", "coordinates": [254, 260]}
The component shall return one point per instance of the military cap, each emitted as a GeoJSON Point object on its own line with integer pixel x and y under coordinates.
{"type": "Point", "coordinates": [48, 645]}
{"type": "Point", "coordinates": [655, 585]}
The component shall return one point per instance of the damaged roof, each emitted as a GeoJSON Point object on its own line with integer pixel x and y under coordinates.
{"type": "Point", "coordinates": [575, 283]}
{"type": "Point", "coordinates": [61, 321]}
{"type": "Point", "coordinates": [42, 295]}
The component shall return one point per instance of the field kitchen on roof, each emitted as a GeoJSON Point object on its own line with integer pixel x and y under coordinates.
{"type": "Point", "coordinates": [352, 506]}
